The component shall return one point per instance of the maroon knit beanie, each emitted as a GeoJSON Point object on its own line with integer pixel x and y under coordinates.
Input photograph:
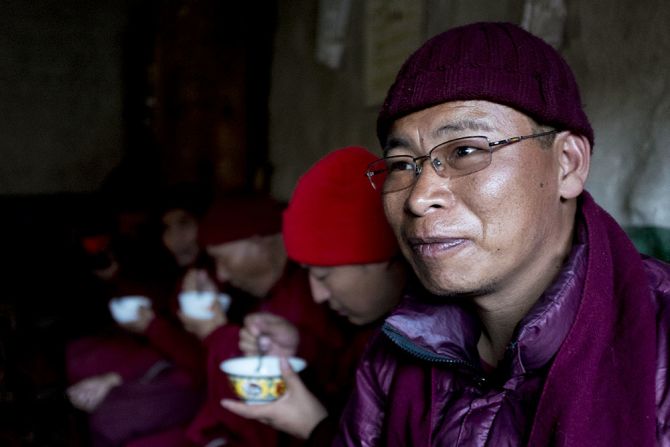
{"type": "Point", "coordinates": [497, 62]}
{"type": "Point", "coordinates": [237, 217]}
{"type": "Point", "coordinates": [335, 217]}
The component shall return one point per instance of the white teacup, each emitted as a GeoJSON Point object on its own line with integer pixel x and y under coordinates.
{"type": "Point", "coordinates": [125, 309]}
{"type": "Point", "coordinates": [198, 304]}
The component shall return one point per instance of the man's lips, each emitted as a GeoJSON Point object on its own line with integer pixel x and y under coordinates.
{"type": "Point", "coordinates": [434, 246]}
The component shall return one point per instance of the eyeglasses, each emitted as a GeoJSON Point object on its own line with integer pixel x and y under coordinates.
{"type": "Point", "coordinates": [453, 158]}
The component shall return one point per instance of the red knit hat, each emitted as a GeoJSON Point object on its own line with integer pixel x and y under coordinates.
{"type": "Point", "coordinates": [497, 62]}
{"type": "Point", "coordinates": [237, 217]}
{"type": "Point", "coordinates": [335, 217]}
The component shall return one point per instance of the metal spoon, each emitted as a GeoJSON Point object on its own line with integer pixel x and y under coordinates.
{"type": "Point", "coordinates": [261, 353]}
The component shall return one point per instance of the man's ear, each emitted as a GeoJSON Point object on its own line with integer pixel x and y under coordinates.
{"type": "Point", "coordinates": [574, 159]}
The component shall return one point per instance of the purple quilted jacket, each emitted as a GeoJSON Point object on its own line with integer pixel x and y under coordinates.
{"type": "Point", "coordinates": [421, 382]}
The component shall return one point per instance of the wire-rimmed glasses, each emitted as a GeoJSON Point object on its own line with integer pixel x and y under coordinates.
{"type": "Point", "coordinates": [453, 158]}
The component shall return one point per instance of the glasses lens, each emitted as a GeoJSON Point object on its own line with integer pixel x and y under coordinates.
{"type": "Point", "coordinates": [453, 158]}
{"type": "Point", "coordinates": [392, 173]}
{"type": "Point", "coordinates": [463, 155]}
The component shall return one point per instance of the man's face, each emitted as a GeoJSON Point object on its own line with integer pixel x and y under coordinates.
{"type": "Point", "coordinates": [180, 236]}
{"type": "Point", "coordinates": [240, 263]}
{"type": "Point", "coordinates": [362, 293]}
{"type": "Point", "coordinates": [488, 231]}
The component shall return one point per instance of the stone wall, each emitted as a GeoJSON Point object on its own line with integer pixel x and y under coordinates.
{"type": "Point", "coordinates": [619, 50]}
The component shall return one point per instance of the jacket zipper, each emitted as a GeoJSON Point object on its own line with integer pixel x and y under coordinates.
{"type": "Point", "coordinates": [406, 345]}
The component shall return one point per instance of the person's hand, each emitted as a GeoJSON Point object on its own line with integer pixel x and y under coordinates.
{"type": "Point", "coordinates": [268, 334]}
{"type": "Point", "coordinates": [145, 315]}
{"type": "Point", "coordinates": [297, 412]}
{"type": "Point", "coordinates": [89, 393]}
{"type": "Point", "coordinates": [198, 280]}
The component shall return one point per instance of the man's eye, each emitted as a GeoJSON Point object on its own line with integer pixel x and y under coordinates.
{"type": "Point", "coordinates": [463, 151]}
{"type": "Point", "coordinates": [400, 165]}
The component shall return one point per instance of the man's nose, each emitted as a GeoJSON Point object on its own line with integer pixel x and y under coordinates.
{"type": "Point", "coordinates": [320, 293]}
{"type": "Point", "coordinates": [222, 272]}
{"type": "Point", "coordinates": [429, 191]}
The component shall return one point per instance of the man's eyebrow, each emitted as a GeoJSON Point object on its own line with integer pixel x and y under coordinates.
{"type": "Point", "coordinates": [395, 142]}
{"type": "Point", "coordinates": [457, 126]}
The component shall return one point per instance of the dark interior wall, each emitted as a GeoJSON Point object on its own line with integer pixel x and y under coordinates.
{"type": "Point", "coordinates": [209, 82]}
{"type": "Point", "coordinates": [314, 109]}
{"type": "Point", "coordinates": [618, 49]}
{"type": "Point", "coordinates": [62, 79]}
{"type": "Point", "coordinates": [120, 97]}
{"type": "Point", "coordinates": [60, 94]}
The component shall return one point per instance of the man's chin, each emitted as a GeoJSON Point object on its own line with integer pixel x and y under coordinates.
{"type": "Point", "coordinates": [452, 290]}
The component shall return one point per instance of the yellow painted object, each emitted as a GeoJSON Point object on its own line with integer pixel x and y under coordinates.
{"type": "Point", "coordinates": [257, 390]}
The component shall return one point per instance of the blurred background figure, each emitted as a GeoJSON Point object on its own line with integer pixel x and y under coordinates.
{"type": "Point", "coordinates": [180, 210]}
{"type": "Point", "coordinates": [242, 233]}
{"type": "Point", "coordinates": [335, 227]}
{"type": "Point", "coordinates": [133, 372]}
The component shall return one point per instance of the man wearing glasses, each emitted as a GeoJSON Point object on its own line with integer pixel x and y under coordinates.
{"type": "Point", "coordinates": [536, 321]}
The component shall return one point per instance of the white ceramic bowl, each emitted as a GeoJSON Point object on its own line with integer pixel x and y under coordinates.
{"type": "Point", "coordinates": [125, 309]}
{"type": "Point", "coordinates": [198, 304]}
{"type": "Point", "coordinates": [256, 385]}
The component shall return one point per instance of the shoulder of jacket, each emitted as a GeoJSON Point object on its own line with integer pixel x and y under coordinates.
{"type": "Point", "coordinates": [658, 273]}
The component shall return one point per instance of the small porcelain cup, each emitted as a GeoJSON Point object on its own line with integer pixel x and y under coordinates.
{"type": "Point", "coordinates": [125, 309]}
{"type": "Point", "coordinates": [198, 304]}
{"type": "Point", "coordinates": [258, 380]}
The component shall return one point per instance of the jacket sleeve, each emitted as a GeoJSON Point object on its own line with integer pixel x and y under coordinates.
{"type": "Point", "coordinates": [364, 417]}
{"type": "Point", "coordinates": [119, 353]}
{"type": "Point", "coordinates": [221, 344]}
{"type": "Point", "coordinates": [182, 348]}
{"type": "Point", "coordinates": [659, 280]}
